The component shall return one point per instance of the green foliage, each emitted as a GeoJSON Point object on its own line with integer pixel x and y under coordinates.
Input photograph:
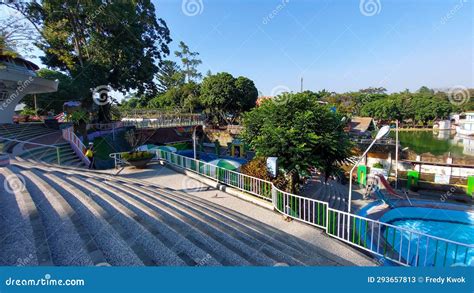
{"type": "Point", "coordinates": [222, 94]}
{"type": "Point", "coordinates": [257, 168]}
{"type": "Point", "coordinates": [29, 112]}
{"type": "Point", "coordinates": [78, 117]}
{"type": "Point", "coordinates": [421, 107]}
{"type": "Point", "coordinates": [189, 61]}
{"type": "Point", "coordinates": [184, 98]}
{"type": "Point", "coordinates": [169, 76]}
{"type": "Point", "coordinates": [299, 131]}
{"type": "Point", "coordinates": [136, 156]}
{"type": "Point", "coordinates": [377, 165]}
{"type": "Point", "coordinates": [116, 43]}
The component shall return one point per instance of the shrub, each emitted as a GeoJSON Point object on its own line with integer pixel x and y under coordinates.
{"type": "Point", "coordinates": [137, 156]}
{"type": "Point", "coordinates": [258, 168]}
{"type": "Point", "coordinates": [377, 165]}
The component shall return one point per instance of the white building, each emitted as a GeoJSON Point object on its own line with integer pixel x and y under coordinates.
{"type": "Point", "coordinates": [466, 126]}
{"type": "Point", "coordinates": [17, 79]}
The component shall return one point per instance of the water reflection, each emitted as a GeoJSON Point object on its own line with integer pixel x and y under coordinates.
{"type": "Point", "coordinates": [437, 143]}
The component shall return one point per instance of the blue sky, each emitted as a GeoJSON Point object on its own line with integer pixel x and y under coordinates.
{"type": "Point", "coordinates": [332, 44]}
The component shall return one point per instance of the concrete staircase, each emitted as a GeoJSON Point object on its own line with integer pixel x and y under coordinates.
{"type": "Point", "coordinates": [51, 215]}
{"type": "Point", "coordinates": [332, 192]}
{"type": "Point", "coordinates": [33, 132]}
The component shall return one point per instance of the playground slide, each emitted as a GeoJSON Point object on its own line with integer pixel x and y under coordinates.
{"type": "Point", "coordinates": [387, 186]}
{"type": "Point", "coordinates": [383, 197]}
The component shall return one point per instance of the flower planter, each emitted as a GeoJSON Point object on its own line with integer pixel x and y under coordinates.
{"type": "Point", "coordinates": [140, 164]}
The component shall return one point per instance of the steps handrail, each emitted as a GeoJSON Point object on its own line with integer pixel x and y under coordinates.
{"type": "Point", "coordinates": [58, 153]}
{"type": "Point", "coordinates": [76, 144]}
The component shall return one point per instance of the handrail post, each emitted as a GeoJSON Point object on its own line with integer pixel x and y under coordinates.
{"type": "Point", "coordinates": [58, 153]}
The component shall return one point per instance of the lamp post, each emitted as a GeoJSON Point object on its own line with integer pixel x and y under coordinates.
{"type": "Point", "coordinates": [194, 143]}
{"type": "Point", "coordinates": [382, 132]}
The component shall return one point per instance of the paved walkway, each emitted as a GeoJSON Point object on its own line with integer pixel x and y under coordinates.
{"type": "Point", "coordinates": [325, 245]}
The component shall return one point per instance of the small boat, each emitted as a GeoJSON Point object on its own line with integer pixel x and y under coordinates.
{"type": "Point", "coordinates": [466, 126]}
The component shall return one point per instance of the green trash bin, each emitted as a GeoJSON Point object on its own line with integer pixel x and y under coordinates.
{"type": "Point", "coordinates": [470, 185]}
{"type": "Point", "coordinates": [362, 174]}
{"type": "Point", "coordinates": [412, 178]}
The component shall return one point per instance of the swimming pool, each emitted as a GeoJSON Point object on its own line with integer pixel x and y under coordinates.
{"type": "Point", "coordinates": [457, 226]}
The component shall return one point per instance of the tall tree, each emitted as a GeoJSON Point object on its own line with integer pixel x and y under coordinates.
{"type": "Point", "coordinates": [17, 35]}
{"type": "Point", "coordinates": [114, 43]}
{"type": "Point", "coordinates": [169, 76]}
{"type": "Point", "coordinates": [190, 62]}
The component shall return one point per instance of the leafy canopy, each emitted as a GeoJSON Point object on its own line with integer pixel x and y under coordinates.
{"type": "Point", "coordinates": [299, 131]}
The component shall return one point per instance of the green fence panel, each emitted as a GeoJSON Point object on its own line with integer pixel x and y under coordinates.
{"type": "Point", "coordinates": [362, 174]}
{"type": "Point", "coordinates": [413, 178]}
{"type": "Point", "coordinates": [470, 185]}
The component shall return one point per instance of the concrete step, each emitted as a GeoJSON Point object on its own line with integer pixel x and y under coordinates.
{"type": "Point", "coordinates": [61, 228]}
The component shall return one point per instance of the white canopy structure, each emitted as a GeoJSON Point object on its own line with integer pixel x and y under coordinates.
{"type": "Point", "coordinates": [17, 79]}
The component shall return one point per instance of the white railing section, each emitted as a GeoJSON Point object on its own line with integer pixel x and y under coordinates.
{"type": "Point", "coordinates": [165, 120]}
{"type": "Point", "coordinates": [399, 245]}
{"type": "Point", "coordinates": [76, 144]}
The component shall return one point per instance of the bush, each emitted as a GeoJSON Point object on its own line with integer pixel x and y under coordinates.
{"type": "Point", "coordinates": [378, 165]}
{"type": "Point", "coordinates": [258, 168]}
{"type": "Point", "coordinates": [137, 156]}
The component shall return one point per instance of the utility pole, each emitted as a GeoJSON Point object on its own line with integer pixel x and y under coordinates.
{"type": "Point", "coordinates": [301, 89]}
{"type": "Point", "coordinates": [36, 105]}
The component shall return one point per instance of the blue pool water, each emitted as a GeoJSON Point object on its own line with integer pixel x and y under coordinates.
{"type": "Point", "coordinates": [457, 226]}
{"type": "Point", "coordinates": [207, 157]}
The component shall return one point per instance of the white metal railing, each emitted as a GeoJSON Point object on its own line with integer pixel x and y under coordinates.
{"type": "Point", "coordinates": [76, 144]}
{"type": "Point", "coordinates": [399, 245]}
{"type": "Point", "coordinates": [165, 120]}
{"type": "Point", "coordinates": [58, 153]}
